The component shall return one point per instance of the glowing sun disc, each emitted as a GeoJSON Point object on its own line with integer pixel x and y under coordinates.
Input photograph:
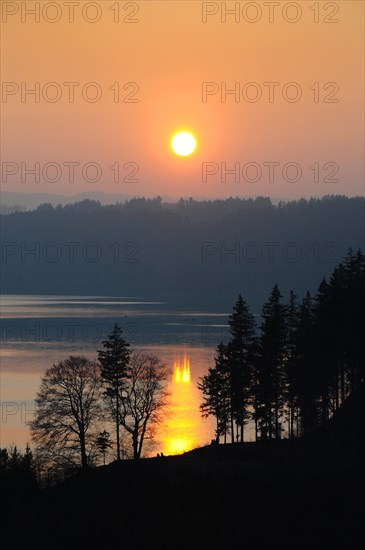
{"type": "Point", "coordinates": [183, 144]}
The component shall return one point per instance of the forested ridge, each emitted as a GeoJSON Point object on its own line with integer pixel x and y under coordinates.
{"type": "Point", "coordinates": [191, 253]}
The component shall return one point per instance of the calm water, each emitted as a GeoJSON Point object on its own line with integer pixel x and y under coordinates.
{"type": "Point", "coordinates": [37, 331]}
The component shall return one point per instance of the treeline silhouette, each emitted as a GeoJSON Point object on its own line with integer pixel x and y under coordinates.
{"type": "Point", "coordinates": [298, 369]}
{"type": "Point", "coordinates": [181, 252]}
{"type": "Point", "coordinates": [18, 469]}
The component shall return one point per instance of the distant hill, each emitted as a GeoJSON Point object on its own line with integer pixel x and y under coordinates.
{"type": "Point", "coordinates": [190, 253]}
{"type": "Point", "coordinates": [30, 201]}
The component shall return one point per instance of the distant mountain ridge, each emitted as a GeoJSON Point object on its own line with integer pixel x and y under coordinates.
{"type": "Point", "coordinates": [30, 201]}
{"type": "Point", "coordinates": [189, 253]}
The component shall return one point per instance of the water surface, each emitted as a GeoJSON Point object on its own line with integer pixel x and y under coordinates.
{"type": "Point", "coordinates": [38, 331]}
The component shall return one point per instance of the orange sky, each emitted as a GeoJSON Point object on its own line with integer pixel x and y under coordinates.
{"type": "Point", "coordinates": [169, 52]}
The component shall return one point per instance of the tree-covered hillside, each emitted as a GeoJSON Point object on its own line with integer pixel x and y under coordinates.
{"type": "Point", "coordinates": [191, 253]}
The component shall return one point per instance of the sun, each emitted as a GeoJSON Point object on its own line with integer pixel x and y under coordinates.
{"type": "Point", "coordinates": [183, 144]}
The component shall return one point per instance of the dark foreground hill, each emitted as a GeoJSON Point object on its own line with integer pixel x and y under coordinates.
{"type": "Point", "coordinates": [300, 493]}
{"type": "Point", "coordinates": [288, 494]}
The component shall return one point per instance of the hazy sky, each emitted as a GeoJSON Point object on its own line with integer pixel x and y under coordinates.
{"type": "Point", "coordinates": [163, 53]}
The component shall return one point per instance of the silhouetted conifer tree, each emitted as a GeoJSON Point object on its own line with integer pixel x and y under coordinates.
{"type": "Point", "coordinates": [216, 393]}
{"type": "Point", "coordinates": [270, 367]}
{"type": "Point", "coordinates": [241, 355]}
{"type": "Point", "coordinates": [114, 359]}
{"type": "Point", "coordinates": [291, 364]}
{"type": "Point", "coordinates": [306, 368]}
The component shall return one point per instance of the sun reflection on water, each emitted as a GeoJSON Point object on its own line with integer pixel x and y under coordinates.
{"type": "Point", "coordinates": [181, 430]}
{"type": "Point", "coordinates": [182, 372]}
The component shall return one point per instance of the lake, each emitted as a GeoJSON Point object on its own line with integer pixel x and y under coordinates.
{"type": "Point", "coordinates": [37, 331]}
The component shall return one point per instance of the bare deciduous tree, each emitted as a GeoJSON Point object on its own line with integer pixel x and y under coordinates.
{"type": "Point", "coordinates": [144, 398]}
{"type": "Point", "coordinates": [67, 410]}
